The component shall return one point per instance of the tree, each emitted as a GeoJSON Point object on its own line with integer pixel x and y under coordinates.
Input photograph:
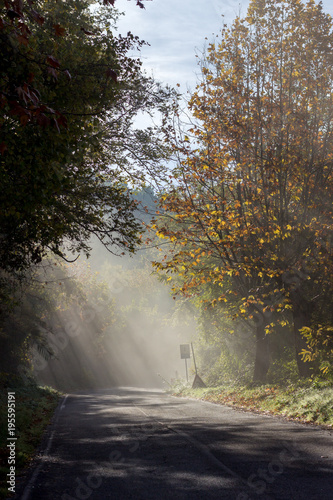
{"type": "Point", "coordinates": [68, 97]}
{"type": "Point", "coordinates": [17, 17]}
{"type": "Point", "coordinates": [252, 200]}
{"type": "Point", "coordinates": [59, 328]}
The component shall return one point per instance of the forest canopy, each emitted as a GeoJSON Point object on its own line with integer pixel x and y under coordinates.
{"type": "Point", "coordinates": [69, 93]}
{"type": "Point", "coordinates": [70, 152]}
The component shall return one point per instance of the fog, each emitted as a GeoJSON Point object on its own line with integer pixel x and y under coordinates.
{"type": "Point", "coordinates": [113, 323]}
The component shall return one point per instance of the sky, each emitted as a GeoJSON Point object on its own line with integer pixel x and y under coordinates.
{"type": "Point", "coordinates": [176, 31]}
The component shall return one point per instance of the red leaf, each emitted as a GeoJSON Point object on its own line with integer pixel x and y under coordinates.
{"type": "Point", "coordinates": [37, 17]}
{"type": "Point", "coordinates": [24, 29]}
{"type": "Point", "coordinates": [112, 74]}
{"type": "Point", "coordinates": [48, 109]}
{"type": "Point", "coordinates": [34, 96]}
{"type": "Point", "coordinates": [43, 120]}
{"type": "Point", "coordinates": [61, 120]}
{"type": "Point", "coordinates": [24, 119]}
{"type": "Point", "coordinates": [59, 30]}
{"type": "Point", "coordinates": [23, 40]}
{"type": "Point", "coordinates": [53, 72]}
{"type": "Point", "coordinates": [52, 61]}
{"type": "Point", "coordinates": [3, 148]}
{"type": "Point", "coordinates": [22, 94]}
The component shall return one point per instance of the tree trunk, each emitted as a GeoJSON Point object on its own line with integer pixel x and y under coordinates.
{"type": "Point", "coordinates": [302, 317]}
{"type": "Point", "coordinates": [262, 359]}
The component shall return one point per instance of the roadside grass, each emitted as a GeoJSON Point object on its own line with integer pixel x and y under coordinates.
{"type": "Point", "coordinates": [34, 408]}
{"type": "Point", "coordinates": [307, 401]}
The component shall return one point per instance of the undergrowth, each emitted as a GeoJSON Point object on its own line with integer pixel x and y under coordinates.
{"type": "Point", "coordinates": [34, 408]}
{"type": "Point", "coordinates": [308, 401]}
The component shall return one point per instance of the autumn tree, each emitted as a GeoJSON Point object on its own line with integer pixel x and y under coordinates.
{"type": "Point", "coordinates": [69, 93]}
{"type": "Point", "coordinates": [252, 192]}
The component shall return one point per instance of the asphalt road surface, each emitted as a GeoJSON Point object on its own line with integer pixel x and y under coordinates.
{"type": "Point", "coordinates": [129, 443]}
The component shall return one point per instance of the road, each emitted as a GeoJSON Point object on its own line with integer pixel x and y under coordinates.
{"type": "Point", "coordinates": [128, 443]}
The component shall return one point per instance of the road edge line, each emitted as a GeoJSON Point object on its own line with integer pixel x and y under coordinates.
{"type": "Point", "coordinates": [43, 453]}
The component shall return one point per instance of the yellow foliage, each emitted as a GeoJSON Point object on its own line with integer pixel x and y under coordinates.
{"type": "Point", "coordinates": [245, 193]}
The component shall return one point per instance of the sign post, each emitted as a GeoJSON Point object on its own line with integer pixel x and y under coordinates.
{"type": "Point", "coordinates": [195, 365]}
{"type": "Point", "coordinates": [197, 382]}
{"type": "Point", "coordinates": [185, 354]}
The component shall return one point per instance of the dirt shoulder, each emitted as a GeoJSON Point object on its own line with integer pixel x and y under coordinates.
{"type": "Point", "coordinates": [312, 405]}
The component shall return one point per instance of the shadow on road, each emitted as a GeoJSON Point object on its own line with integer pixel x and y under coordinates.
{"type": "Point", "coordinates": [139, 444]}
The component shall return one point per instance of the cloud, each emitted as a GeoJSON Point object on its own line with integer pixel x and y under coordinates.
{"type": "Point", "coordinates": [175, 29]}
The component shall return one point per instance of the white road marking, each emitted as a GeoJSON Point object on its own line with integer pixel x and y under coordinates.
{"type": "Point", "coordinates": [201, 447]}
{"type": "Point", "coordinates": [31, 483]}
{"type": "Point", "coordinates": [64, 403]}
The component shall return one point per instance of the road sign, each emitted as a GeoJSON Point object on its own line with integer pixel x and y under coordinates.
{"type": "Point", "coordinates": [185, 354]}
{"type": "Point", "coordinates": [185, 351]}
